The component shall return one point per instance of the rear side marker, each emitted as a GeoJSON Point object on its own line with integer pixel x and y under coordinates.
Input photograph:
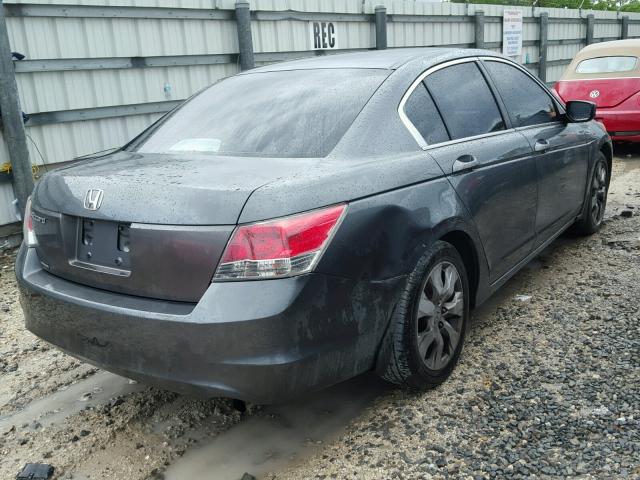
{"type": "Point", "coordinates": [27, 226]}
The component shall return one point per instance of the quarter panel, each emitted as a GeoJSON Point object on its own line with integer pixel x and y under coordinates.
{"type": "Point", "coordinates": [383, 236]}
{"type": "Point", "coordinates": [336, 180]}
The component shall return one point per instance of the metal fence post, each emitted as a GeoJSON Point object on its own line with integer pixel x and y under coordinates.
{"type": "Point", "coordinates": [591, 20]}
{"type": "Point", "coordinates": [381, 27]}
{"type": "Point", "coordinates": [12, 123]}
{"type": "Point", "coordinates": [544, 36]}
{"type": "Point", "coordinates": [479, 29]}
{"type": "Point", "coordinates": [245, 42]}
{"type": "Point", "coordinates": [624, 29]}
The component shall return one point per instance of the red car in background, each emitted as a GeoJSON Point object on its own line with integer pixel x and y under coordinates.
{"type": "Point", "coordinates": [607, 74]}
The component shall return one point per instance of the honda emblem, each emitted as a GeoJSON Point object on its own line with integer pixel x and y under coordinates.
{"type": "Point", "coordinates": [93, 199]}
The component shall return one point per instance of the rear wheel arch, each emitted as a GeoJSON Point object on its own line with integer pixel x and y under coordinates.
{"type": "Point", "coordinates": [462, 235]}
{"type": "Point", "coordinates": [464, 244]}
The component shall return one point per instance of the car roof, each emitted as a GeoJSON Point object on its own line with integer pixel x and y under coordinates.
{"type": "Point", "coordinates": [629, 47]}
{"type": "Point", "coordinates": [614, 47]}
{"type": "Point", "coordinates": [390, 59]}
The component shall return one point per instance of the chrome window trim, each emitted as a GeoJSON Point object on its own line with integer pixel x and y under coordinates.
{"type": "Point", "coordinates": [403, 116]}
{"type": "Point", "coordinates": [422, 143]}
{"type": "Point", "coordinates": [465, 139]}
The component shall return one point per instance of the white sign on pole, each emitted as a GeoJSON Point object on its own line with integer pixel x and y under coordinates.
{"type": "Point", "coordinates": [512, 32]}
{"type": "Point", "coordinates": [323, 35]}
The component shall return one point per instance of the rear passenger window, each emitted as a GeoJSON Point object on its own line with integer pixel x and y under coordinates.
{"type": "Point", "coordinates": [465, 100]}
{"type": "Point", "coordinates": [422, 112]}
{"type": "Point", "coordinates": [525, 100]}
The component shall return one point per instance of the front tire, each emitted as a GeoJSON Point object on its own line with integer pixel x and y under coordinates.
{"type": "Point", "coordinates": [591, 220]}
{"type": "Point", "coordinates": [428, 325]}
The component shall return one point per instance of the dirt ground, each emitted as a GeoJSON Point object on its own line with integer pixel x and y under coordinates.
{"type": "Point", "coordinates": [548, 387]}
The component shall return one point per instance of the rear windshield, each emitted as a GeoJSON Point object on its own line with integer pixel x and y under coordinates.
{"type": "Point", "coordinates": [298, 113]}
{"type": "Point", "coordinates": [607, 65]}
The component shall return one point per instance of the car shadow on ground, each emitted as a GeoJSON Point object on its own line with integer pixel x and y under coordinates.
{"type": "Point", "coordinates": [287, 433]}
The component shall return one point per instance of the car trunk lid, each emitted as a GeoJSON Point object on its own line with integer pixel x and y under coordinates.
{"type": "Point", "coordinates": [605, 93]}
{"type": "Point", "coordinates": [161, 189]}
{"type": "Point", "coordinates": [158, 226]}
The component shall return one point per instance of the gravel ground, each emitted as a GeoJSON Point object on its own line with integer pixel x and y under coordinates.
{"type": "Point", "coordinates": [548, 386]}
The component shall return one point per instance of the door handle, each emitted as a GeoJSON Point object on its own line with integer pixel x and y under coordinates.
{"type": "Point", "coordinates": [464, 163]}
{"type": "Point", "coordinates": [541, 145]}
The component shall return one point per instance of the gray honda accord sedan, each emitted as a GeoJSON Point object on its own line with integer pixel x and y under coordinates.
{"type": "Point", "coordinates": [301, 223]}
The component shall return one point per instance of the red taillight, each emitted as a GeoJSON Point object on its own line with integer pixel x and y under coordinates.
{"type": "Point", "coordinates": [279, 248]}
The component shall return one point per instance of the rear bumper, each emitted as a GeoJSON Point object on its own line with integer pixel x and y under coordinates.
{"type": "Point", "coordinates": [262, 341]}
{"type": "Point", "coordinates": [622, 125]}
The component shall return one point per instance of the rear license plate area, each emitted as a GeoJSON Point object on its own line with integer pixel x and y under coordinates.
{"type": "Point", "coordinates": [103, 246]}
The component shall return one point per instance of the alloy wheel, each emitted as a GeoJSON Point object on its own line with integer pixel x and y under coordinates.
{"type": "Point", "coordinates": [598, 193]}
{"type": "Point", "coordinates": [440, 315]}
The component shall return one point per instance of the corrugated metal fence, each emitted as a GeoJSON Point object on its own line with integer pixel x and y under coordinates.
{"type": "Point", "coordinates": [97, 72]}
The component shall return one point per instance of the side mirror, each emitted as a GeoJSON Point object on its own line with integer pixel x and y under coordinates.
{"type": "Point", "coordinates": [579, 111]}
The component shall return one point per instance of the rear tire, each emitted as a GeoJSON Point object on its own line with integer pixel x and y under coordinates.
{"type": "Point", "coordinates": [591, 220]}
{"type": "Point", "coordinates": [427, 327]}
